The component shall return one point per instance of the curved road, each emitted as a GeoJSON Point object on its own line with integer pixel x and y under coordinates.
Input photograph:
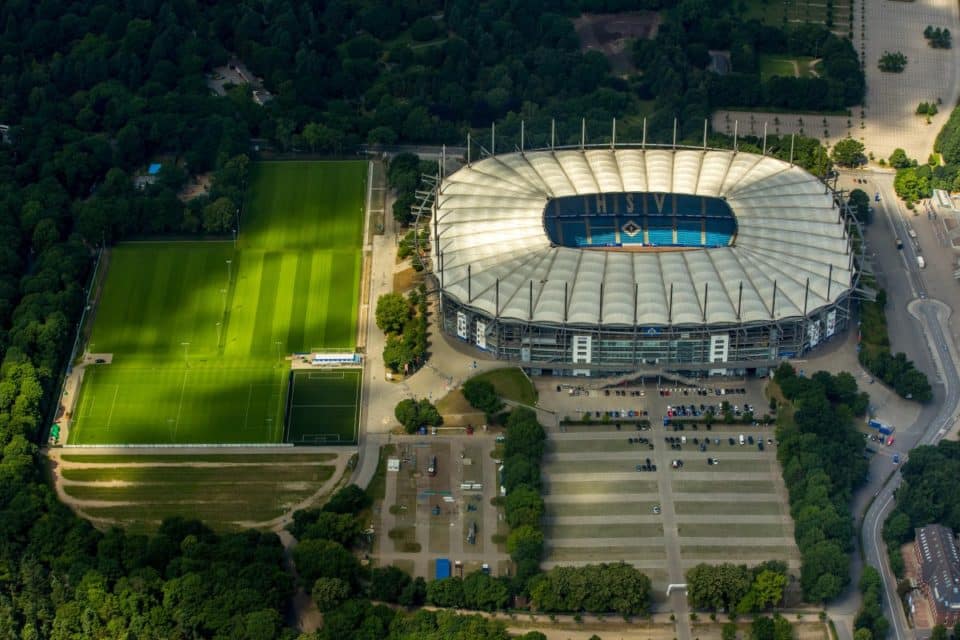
{"type": "Point", "coordinates": [932, 316]}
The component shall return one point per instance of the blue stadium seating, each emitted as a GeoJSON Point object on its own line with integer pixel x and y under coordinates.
{"type": "Point", "coordinates": [670, 220]}
{"type": "Point", "coordinates": [717, 239]}
{"type": "Point", "coordinates": [661, 237]}
{"type": "Point", "coordinates": [603, 236]}
{"type": "Point", "coordinates": [689, 206]}
{"type": "Point", "coordinates": [689, 238]}
{"type": "Point", "coordinates": [574, 232]}
{"type": "Point", "coordinates": [717, 208]}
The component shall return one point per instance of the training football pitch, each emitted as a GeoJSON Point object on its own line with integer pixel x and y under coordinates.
{"type": "Point", "coordinates": [324, 406]}
{"type": "Point", "coordinates": [198, 331]}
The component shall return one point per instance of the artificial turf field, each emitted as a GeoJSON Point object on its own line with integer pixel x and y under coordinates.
{"type": "Point", "coordinates": [324, 406]}
{"type": "Point", "coordinates": [198, 342]}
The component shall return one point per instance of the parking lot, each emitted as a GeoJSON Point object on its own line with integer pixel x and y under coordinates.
{"type": "Point", "coordinates": [698, 495]}
{"type": "Point", "coordinates": [437, 505]}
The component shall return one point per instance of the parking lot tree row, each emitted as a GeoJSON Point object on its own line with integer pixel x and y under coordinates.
{"type": "Point", "coordinates": [822, 455]}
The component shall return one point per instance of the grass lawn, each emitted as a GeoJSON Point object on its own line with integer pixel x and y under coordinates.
{"type": "Point", "coordinates": [775, 65]}
{"type": "Point", "coordinates": [554, 487]}
{"type": "Point", "coordinates": [608, 554]}
{"type": "Point", "coordinates": [632, 531]}
{"type": "Point", "coordinates": [512, 384]}
{"type": "Point", "coordinates": [732, 530]}
{"type": "Point", "coordinates": [605, 466]}
{"type": "Point", "coordinates": [198, 330]}
{"type": "Point", "coordinates": [566, 509]}
{"type": "Point", "coordinates": [600, 446]}
{"type": "Point", "coordinates": [709, 486]}
{"type": "Point", "coordinates": [745, 508]}
{"type": "Point", "coordinates": [735, 552]}
{"type": "Point", "coordinates": [175, 405]}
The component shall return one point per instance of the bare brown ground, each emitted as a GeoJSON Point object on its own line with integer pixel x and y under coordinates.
{"type": "Point", "coordinates": [406, 280]}
{"type": "Point", "coordinates": [196, 187]}
{"type": "Point", "coordinates": [612, 34]}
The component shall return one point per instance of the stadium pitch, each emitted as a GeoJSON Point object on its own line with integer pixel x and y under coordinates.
{"type": "Point", "coordinates": [323, 406]}
{"type": "Point", "coordinates": [199, 331]}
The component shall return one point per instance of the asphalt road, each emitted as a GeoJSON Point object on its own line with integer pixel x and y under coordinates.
{"type": "Point", "coordinates": [910, 309]}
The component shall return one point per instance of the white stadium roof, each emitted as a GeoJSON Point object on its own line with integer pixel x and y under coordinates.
{"type": "Point", "coordinates": [490, 218]}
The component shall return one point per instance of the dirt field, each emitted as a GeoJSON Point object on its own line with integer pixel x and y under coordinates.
{"type": "Point", "coordinates": [612, 35]}
{"type": "Point", "coordinates": [229, 492]}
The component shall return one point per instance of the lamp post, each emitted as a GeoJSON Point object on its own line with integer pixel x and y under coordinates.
{"type": "Point", "coordinates": [229, 271]}
{"type": "Point", "coordinates": [278, 343]}
{"type": "Point", "coordinates": [186, 351]}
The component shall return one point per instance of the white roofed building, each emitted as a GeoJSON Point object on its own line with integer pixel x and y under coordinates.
{"type": "Point", "coordinates": [572, 261]}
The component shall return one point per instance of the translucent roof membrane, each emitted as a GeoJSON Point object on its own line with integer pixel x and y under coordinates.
{"type": "Point", "coordinates": [490, 219]}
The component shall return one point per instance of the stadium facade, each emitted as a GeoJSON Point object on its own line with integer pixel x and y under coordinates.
{"type": "Point", "coordinates": [599, 261]}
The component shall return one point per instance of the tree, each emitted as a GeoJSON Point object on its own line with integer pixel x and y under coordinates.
{"type": "Point", "coordinates": [396, 353]}
{"type": "Point", "coordinates": [767, 589]}
{"type": "Point", "coordinates": [859, 201]}
{"type": "Point", "coordinates": [848, 153]}
{"type": "Point", "coordinates": [387, 583]}
{"type": "Point", "coordinates": [899, 159]}
{"type": "Point", "coordinates": [447, 592]}
{"type": "Point", "coordinates": [782, 629]}
{"type": "Point", "coordinates": [939, 632]}
{"type": "Point", "coordinates": [351, 499]}
{"type": "Point", "coordinates": [718, 587]}
{"type": "Point", "coordinates": [892, 62]}
{"type": "Point", "coordinates": [481, 591]}
{"type": "Point", "coordinates": [525, 543]}
{"type": "Point", "coordinates": [325, 559]}
{"type": "Point", "coordinates": [520, 469]}
{"type": "Point", "coordinates": [525, 436]}
{"type": "Point", "coordinates": [414, 594]}
{"type": "Point", "coordinates": [762, 628]}
{"type": "Point", "coordinates": [393, 312]}
{"type": "Point", "coordinates": [824, 571]}
{"type": "Point", "coordinates": [524, 507]}
{"type": "Point", "coordinates": [316, 523]}
{"type": "Point", "coordinates": [729, 631]}
{"type": "Point", "coordinates": [328, 593]}
{"type": "Point", "coordinates": [218, 215]}
{"type": "Point", "coordinates": [481, 395]}
{"type": "Point", "coordinates": [597, 588]}
{"type": "Point", "coordinates": [413, 414]}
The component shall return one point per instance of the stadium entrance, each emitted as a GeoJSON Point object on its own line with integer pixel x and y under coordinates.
{"type": "Point", "coordinates": [636, 221]}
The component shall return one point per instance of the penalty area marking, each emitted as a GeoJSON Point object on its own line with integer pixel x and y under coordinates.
{"type": "Point", "coordinates": [113, 404]}
{"type": "Point", "coordinates": [323, 375]}
{"type": "Point", "coordinates": [322, 406]}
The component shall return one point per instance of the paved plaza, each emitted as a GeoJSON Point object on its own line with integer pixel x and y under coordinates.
{"type": "Point", "coordinates": [887, 119]}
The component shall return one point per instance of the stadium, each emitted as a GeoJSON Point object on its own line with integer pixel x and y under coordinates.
{"type": "Point", "coordinates": [599, 261]}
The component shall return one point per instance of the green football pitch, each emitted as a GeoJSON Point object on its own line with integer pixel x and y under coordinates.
{"type": "Point", "coordinates": [323, 406]}
{"type": "Point", "coordinates": [198, 330]}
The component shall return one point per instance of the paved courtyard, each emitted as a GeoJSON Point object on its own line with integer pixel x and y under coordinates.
{"type": "Point", "coordinates": [887, 119]}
